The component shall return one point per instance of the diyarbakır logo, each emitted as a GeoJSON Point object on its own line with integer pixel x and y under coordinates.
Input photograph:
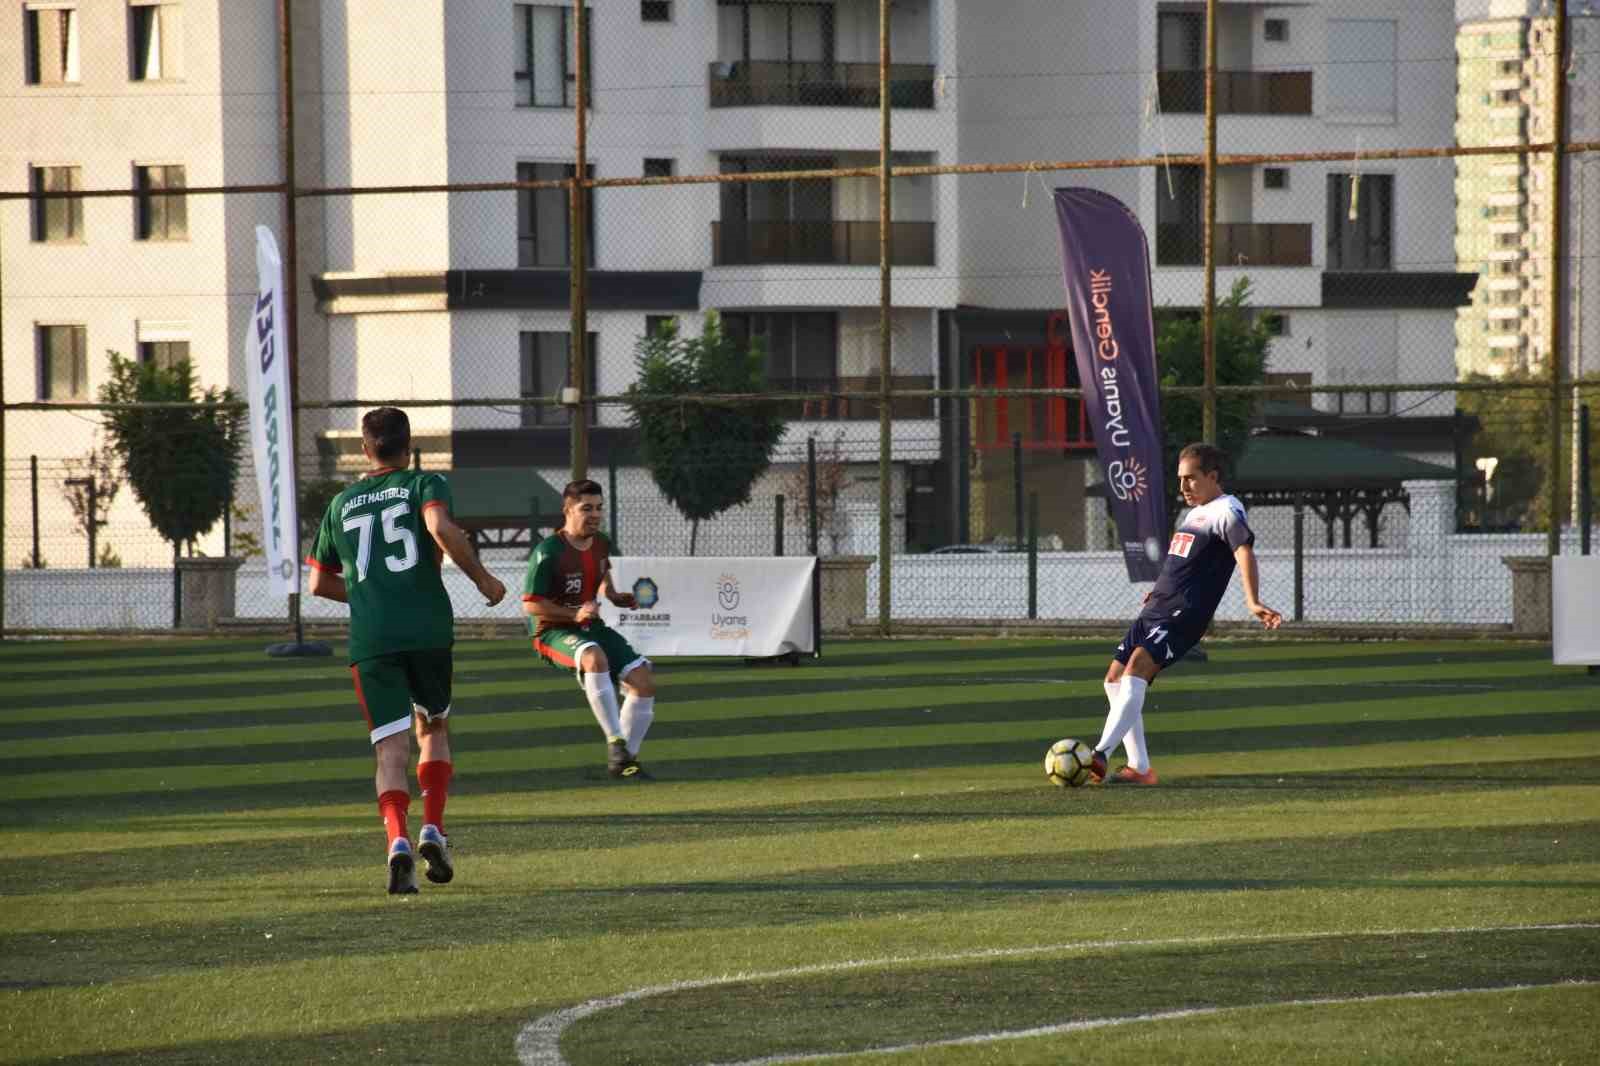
{"type": "Point", "coordinates": [645, 593]}
{"type": "Point", "coordinates": [1128, 481]}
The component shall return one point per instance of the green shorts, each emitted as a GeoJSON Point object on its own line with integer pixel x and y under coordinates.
{"type": "Point", "coordinates": [563, 649]}
{"type": "Point", "coordinates": [392, 687]}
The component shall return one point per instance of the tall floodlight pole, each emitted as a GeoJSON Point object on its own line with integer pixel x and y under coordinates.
{"type": "Point", "coordinates": [885, 333]}
{"type": "Point", "coordinates": [1208, 238]}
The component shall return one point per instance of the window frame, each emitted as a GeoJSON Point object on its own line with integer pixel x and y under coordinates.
{"type": "Point", "coordinates": [40, 229]}
{"type": "Point", "coordinates": [1334, 109]}
{"type": "Point", "coordinates": [144, 202]}
{"type": "Point", "coordinates": [656, 11]}
{"type": "Point", "coordinates": [1338, 201]}
{"type": "Point", "coordinates": [1278, 26]}
{"type": "Point", "coordinates": [1282, 175]}
{"type": "Point", "coordinates": [750, 326]}
{"type": "Point", "coordinates": [71, 66]}
{"type": "Point", "coordinates": [147, 353]}
{"type": "Point", "coordinates": [524, 53]}
{"type": "Point", "coordinates": [166, 25]}
{"type": "Point", "coordinates": [665, 167]}
{"type": "Point", "coordinates": [530, 239]}
{"type": "Point", "coordinates": [80, 361]}
{"type": "Point", "coordinates": [552, 416]}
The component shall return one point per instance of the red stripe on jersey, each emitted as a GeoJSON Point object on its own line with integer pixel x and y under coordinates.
{"type": "Point", "coordinates": [554, 653]}
{"type": "Point", "coordinates": [361, 697]}
{"type": "Point", "coordinates": [533, 597]}
{"type": "Point", "coordinates": [433, 503]}
{"type": "Point", "coordinates": [591, 575]}
{"type": "Point", "coordinates": [325, 569]}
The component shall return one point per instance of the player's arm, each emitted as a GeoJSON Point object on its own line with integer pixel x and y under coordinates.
{"type": "Point", "coordinates": [327, 573]}
{"type": "Point", "coordinates": [547, 610]}
{"type": "Point", "coordinates": [327, 584]}
{"type": "Point", "coordinates": [1250, 575]}
{"type": "Point", "coordinates": [608, 589]}
{"type": "Point", "coordinates": [452, 540]}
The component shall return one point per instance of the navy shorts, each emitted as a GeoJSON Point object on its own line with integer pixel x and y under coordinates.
{"type": "Point", "coordinates": [1167, 638]}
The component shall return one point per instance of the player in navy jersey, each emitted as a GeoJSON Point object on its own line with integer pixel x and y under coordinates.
{"type": "Point", "coordinates": [1213, 537]}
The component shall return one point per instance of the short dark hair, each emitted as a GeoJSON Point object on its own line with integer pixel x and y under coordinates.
{"type": "Point", "coordinates": [1210, 457]}
{"type": "Point", "coordinates": [579, 489]}
{"type": "Point", "coordinates": [387, 431]}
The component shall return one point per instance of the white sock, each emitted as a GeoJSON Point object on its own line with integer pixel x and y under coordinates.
{"type": "Point", "coordinates": [1138, 754]}
{"type": "Point", "coordinates": [603, 702]}
{"type": "Point", "coordinates": [1125, 711]}
{"type": "Point", "coordinates": [637, 714]}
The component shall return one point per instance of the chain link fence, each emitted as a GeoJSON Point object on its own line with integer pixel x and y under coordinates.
{"type": "Point", "coordinates": [1373, 233]}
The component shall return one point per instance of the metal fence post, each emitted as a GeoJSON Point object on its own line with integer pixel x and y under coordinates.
{"type": "Point", "coordinates": [1016, 485]}
{"type": "Point", "coordinates": [811, 494]}
{"type": "Point", "coordinates": [885, 326]}
{"type": "Point", "coordinates": [1557, 236]}
{"type": "Point", "coordinates": [1585, 494]}
{"type": "Point", "coordinates": [777, 525]}
{"type": "Point", "coordinates": [33, 489]}
{"type": "Point", "coordinates": [611, 490]}
{"type": "Point", "coordinates": [177, 587]}
{"type": "Point", "coordinates": [94, 518]}
{"type": "Point", "coordinates": [1299, 558]}
{"type": "Point", "coordinates": [227, 521]}
{"type": "Point", "coordinates": [1033, 555]}
{"type": "Point", "coordinates": [578, 210]}
{"type": "Point", "coordinates": [416, 458]}
{"type": "Point", "coordinates": [1208, 237]}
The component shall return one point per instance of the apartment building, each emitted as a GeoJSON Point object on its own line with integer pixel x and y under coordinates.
{"type": "Point", "coordinates": [1507, 74]}
{"type": "Point", "coordinates": [433, 296]}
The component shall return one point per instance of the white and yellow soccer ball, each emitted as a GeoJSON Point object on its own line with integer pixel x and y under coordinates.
{"type": "Point", "coordinates": [1066, 764]}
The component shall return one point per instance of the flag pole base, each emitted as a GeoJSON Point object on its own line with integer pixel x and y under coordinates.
{"type": "Point", "coordinates": [300, 649]}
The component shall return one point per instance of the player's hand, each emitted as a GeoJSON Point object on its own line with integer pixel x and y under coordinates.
{"type": "Point", "coordinates": [1267, 616]}
{"type": "Point", "coordinates": [625, 600]}
{"type": "Point", "coordinates": [1147, 596]}
{"type": "Point", "coordinates": [493, 589]}
{"type": "Point", "coordinates": [587, 613]}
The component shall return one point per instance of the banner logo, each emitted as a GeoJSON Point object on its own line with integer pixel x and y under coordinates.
{"type": "Point", "coordinates": [727, 592]}
{"type": "Point", "coordinates": [645, 593]}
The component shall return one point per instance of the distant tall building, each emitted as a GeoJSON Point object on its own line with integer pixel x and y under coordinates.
{"type": "Point", "coordinates": [1505, 86]}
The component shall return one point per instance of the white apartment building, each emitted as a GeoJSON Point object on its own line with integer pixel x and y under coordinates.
{"type": "Point", "coordinates": [1503, 203]}
{"type": "Point", "coordinates": [428, 296]}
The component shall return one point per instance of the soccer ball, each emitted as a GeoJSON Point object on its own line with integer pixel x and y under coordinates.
{"type": "Point", "coordinates": [1066, 764]}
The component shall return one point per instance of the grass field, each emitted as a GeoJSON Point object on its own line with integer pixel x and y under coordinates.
{"type": "Point", "coordinates": [1359, 853]}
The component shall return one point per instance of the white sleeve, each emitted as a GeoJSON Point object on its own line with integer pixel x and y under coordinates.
{"type": "Point", "coordinates": [1233, 527]}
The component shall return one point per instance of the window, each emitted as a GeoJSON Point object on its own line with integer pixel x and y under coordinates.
{"type": "Point", "coordinates": [653, 323]}
{"type": "Point", "coordinates": [1365, 241]}
{"type": "Point", "coordinates": [1276, 323]}
{"type": "Point", "coordinates": [1361, 68]}
{"type": "Point", "coordinates": [802, 348]}
{"type": "Point", "coordinates": [52, 44]}
{"type": "Point", "coordinates": [546, 370]}
{"type": "Point", "coordinates": [1276, 29]}
{"type": "Point", "coordinates": [164, 354]}
{"type": "Point", "coordinates": [655, 10]}
{"type": "Point", "coordinates": [659, 168]}
{"type": "Point", "coordinates": [63, 363]}
{"type": "Point", "coordinates": [155, 39]}
{"type": "Point", "coordinates": [544, 223]}
{"type": "Point", "coordinates": [59, 218]}
{"type": "Point", "coordinates": [162, 215]}
{"type": "Point", "coordinates": [1275, 177]}
{"type": "Point", "coordinates": [546, 51]}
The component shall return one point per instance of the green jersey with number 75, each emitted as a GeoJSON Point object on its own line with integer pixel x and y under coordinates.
{"type": "Point", "coordinates": [374, 534]}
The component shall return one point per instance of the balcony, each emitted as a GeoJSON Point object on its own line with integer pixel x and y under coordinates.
{"type": "Point", "coordinates": [852, 399]}
{"type": "Point", "coordinates": [836, 243]}
{"type": "Point", "coordinates": [1237, 244]}
{"type": "Point", "coordinates": [1239, 92]}
{"type": "Point", "coordinates": [779, 83]}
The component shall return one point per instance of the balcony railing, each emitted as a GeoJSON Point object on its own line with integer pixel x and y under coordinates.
{"type": "Point", "coordinates": [852, 399]}
{"type": "Point", "coordinates": [1239, 92]}
{"type": "Point", "coordinates": [1238, 243]}
{"type": "Point", "coordinates": [778, 83]}
{"type": "Point", "coordinates": [840, 243]}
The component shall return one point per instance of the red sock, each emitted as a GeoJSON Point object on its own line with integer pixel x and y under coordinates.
{"type": "Point", "coordinates": [434, 777]}
{"type": "Point", "coordinates": [393, 805]}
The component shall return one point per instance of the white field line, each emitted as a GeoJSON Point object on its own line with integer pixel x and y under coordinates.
{"type": "Point", "coordinates": [539, 1042]}
{"type": "Point", "coordinates": [1164, 1016]}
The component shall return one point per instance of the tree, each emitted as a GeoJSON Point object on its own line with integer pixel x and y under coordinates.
{"type": "Point", "coordinates": [311, 503]}
{"type": "Point", "coordinates": [179, 461]}
{"type": "Point", "coordinates": [704, 457]}
{"type": "Point", "coordinates": [1241, 357]}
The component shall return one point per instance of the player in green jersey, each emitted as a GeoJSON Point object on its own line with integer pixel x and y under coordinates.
{"type": "Point", "coordinates": [567, 574]}
{"type": "Point", "coordinates": [379, 549]}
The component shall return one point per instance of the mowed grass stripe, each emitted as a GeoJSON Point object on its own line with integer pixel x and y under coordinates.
{"type": "Point", "coordinates": [761, 715]}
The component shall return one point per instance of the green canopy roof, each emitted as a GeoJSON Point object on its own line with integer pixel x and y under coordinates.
{"type": "Point", "coordinates": [1298, 462]}
{"type": "Point", "coordinates": [489, 496]}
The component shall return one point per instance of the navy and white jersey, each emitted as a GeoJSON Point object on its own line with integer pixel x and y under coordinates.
{"type": "Point", "coordinates": [1199, 561]}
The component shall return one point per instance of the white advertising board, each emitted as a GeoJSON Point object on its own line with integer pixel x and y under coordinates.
{"type": "Point", "coordinates": [715, 606]}
{"type": "Point", "coordinates": [1575, 609]}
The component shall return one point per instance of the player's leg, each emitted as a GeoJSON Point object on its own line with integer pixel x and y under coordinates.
{"type": "Point", "coordinates": [430, 675]}
{"type": "Point", "coordinates": [1125, 723]}
{"type": "Point", "coordinates": [385, 700]}
{"type": "Point", "coordinates": [577, 650]}
{"type": "Point", "coordinates": [638, 680]}
{"type": "Point", "coordinates": [1133, 740]}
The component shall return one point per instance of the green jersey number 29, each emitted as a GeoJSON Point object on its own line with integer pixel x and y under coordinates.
{"type": "Point", "coordinates": [361, 526]}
